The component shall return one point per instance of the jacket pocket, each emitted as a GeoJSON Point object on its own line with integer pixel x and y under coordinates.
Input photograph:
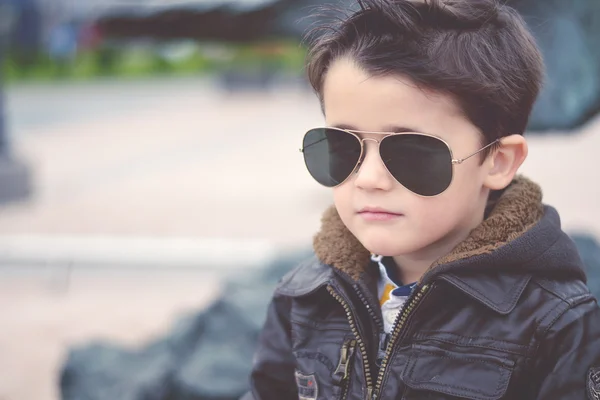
{"type": "Point", "coordinates": [317, 378]}
{"type": "Point", "coordinates": [434, 373]}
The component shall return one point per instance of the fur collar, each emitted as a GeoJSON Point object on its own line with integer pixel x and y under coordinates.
{"type": "Point", "coordinates": [516, 211]}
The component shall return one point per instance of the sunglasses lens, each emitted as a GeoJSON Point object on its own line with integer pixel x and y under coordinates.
{"type": "Point", "coordinates": [330, 155]}
{"type": "Point", "coordinates": [422, 164]}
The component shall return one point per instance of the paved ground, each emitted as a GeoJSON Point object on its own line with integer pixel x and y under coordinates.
{"type": "Point", "coordinates": [174, 159]}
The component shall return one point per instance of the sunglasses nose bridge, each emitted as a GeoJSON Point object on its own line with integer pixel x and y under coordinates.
{"type": "Point", "coordinates": [363, 155]}
{"type": "Point", "coordinates": [371, 139]}
{"type": "Point", "coordinates": [363, 144]}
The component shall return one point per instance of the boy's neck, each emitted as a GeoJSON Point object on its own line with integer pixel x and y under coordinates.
{"type": "Point", "coordinates": [411, 267]}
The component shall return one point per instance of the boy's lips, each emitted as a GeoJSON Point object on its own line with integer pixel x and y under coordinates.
{"type": "Point", "coordinates": [378, 214]}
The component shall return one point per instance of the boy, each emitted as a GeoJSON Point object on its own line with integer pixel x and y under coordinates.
{"type": "Point", "coordinates": [438, 273]}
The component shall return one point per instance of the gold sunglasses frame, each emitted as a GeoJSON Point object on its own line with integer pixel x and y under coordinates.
{"type": "Point", "coordinates": [355, 133]}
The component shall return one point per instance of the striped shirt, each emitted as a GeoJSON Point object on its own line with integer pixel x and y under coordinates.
{"type": "Point", "coordinates": [392, 294]}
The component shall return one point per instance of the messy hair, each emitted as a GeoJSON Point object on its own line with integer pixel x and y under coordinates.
{"type": "Point", "coordinates": [479, 52]}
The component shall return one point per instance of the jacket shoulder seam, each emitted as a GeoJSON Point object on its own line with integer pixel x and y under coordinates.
{"type": "Point", "coordinates": [562, 308]}
{"type": "Point", "coordinates": [309, 266]}
{"type": "Point", "coordinates": [572, 299]}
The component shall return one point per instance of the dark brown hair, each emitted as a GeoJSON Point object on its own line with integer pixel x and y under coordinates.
{"type": "Point", "coordinates": [477, 51]}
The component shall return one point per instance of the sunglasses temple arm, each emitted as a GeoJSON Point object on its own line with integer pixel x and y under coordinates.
{"type": "Point", "coordinates": [312, 144]}
{"type": "Point", "coordinates": [461, 160]}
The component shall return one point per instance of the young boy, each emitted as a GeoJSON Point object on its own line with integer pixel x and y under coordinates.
{"type": "Point", "coordinates": [439, 273]}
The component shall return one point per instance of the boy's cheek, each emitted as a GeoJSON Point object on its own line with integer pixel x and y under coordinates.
{"type": "Point", "coordinates": [343, 198]}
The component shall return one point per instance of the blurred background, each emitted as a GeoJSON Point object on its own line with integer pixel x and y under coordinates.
{"type": "Point", "coordinates": [149, 168]}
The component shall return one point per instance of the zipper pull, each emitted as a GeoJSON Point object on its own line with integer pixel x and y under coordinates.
{"type": "Point", "coordinates": [346, 353]}
{"type": "Point", "coordinates": [371, 393]}
{"type": "Point", "coordinates": [384, 339]}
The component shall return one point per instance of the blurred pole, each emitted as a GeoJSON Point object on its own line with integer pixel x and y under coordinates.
{"type": "Point", "coordinates": [14, 175]}
{"type": "Point", "coordinates": [3, 143]}
{"type": "Point", "coordinates": [6, 23]}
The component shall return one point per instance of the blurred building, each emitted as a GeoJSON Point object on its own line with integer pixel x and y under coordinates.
{"type": "Point", "coordinates": [198, 19]}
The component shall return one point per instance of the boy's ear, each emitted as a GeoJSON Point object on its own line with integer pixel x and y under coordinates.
{"type": "Point", "coordinates": [503, 163]}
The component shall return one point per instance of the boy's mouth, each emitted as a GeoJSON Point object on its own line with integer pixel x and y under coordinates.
{"type": "Point", "coordinates": [378, 214]}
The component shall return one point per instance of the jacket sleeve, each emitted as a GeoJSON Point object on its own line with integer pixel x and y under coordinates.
{"type": "Point", "coordinates": [569, 353]}
{"type": "Point", "coordinates": [272, 376]}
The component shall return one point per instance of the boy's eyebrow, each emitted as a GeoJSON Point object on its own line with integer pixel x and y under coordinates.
{"type": "Point", "coordinates": [386, 129]}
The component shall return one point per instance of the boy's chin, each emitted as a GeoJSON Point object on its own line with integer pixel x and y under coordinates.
{"type": "Point", "coordinates": [386, 246]}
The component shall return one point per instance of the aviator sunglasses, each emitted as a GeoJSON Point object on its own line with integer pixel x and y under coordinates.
{"type": "Point", "coordinates": [420, 162]}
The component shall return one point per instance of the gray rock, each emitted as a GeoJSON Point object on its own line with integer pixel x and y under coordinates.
{"type": "Point", "coordinates": [568, 33]}
{"type": "Point", "coordinates": [219, 366]}
{"type": "Point", "coordinates": [206, 356]}
{"type": "Point", "coordinates": [103, 371]}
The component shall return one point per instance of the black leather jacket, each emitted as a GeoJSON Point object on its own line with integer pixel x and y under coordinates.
{"type": "Point", "coordinates": [514, 321]}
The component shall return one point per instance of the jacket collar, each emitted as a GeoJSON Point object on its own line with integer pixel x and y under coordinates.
{"type": "Point", "coordinates": [499, 292]}
{"type": "Point", "coordinates": [515, 212]}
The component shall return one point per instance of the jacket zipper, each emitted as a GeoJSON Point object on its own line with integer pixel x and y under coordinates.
{"type": "Point", "coordinates": [342, 372]}
{"type": "Point", "coordinates": [399, 324]}
{"type": "Point", "coordinates": [372, 313]}
{"type": "Point", "coordinates": [359, 340]}
{"type": "Point", "coordinates": [383, 338]}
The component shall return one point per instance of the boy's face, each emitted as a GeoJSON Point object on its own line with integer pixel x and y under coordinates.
{"type": "Point", "coordinates": [357, 101]}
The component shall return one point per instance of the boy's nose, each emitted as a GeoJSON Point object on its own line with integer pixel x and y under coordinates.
{"type": "Point", "coordinates": [371, 173]}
